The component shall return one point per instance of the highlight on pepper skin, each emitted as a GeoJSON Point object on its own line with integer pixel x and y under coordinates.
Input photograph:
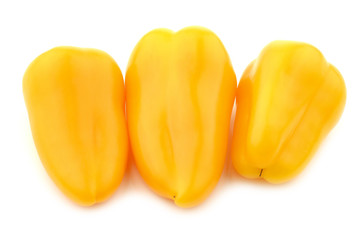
{"type": "Point", "coordinates": [76, 105]}
{"type": "Point", "coordinates": [180, 90]}
{"type": "Point", "coordinates": [288, 100]}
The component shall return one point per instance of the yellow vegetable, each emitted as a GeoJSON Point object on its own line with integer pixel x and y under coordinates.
{"type": "Point", "coordinates": [180, 89]}
{"type": "Point", "coordinates": [75, 101]}
{"type": "Point", "coordinates": [288, 100]}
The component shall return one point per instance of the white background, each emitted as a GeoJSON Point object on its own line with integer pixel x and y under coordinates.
{"type": "Point", "coordinates": [321, 203]}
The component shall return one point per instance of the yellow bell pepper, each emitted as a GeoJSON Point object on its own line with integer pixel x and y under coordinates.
{"type": "Point", "coordinates": [288, 100]}
{"type": "Point", "coordinates": [75, 100]}
{"type": "Point", "coordinates": [180, 90]}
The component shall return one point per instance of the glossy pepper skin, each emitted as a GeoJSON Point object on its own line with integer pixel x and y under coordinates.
{"type": "Point", "coordinates": [75, 100]}
{"type": "Point", "coordinates": [180, 90]}
{"type": "Point", "coordinates": [288, 100]}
